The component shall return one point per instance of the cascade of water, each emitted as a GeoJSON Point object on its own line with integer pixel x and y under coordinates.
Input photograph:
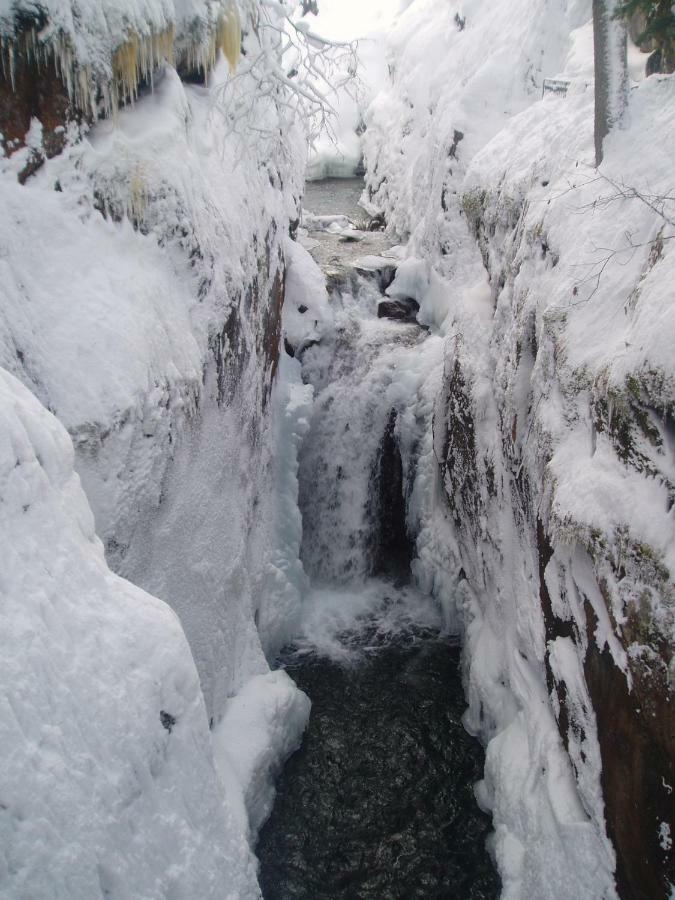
{"type": "Point", "coordinates": [378, 801]}
{"type": "Point", "coordinates": [351, 474]}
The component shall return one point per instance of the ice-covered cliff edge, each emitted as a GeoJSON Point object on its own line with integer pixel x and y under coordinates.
{"type": "Point", "coordinates": [545, 500]}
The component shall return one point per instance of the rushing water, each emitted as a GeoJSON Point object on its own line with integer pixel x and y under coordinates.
{"type": "Point", "coordinates": [378, 802]}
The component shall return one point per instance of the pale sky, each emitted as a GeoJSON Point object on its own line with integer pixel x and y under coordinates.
{"type": "Point", "coordinates": [346, 19]}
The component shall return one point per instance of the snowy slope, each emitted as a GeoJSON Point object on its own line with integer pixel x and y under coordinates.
{"type": "Point", "coordinates": [108, 786]}
{"type": "Point", "coordinates": [549, 521]}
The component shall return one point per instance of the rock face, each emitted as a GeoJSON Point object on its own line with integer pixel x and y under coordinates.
{"type": "Point", "coordinates": [404, 308]}
{"type": "Point", "coordinates": [635, 731]}
{"type": "Point", "coordinates": [31, 95]}
{"type": "Point", "coordinates": [391, 545]}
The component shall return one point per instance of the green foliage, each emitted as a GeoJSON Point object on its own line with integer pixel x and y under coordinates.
{"type": "Point", "coordinates": [659, 21]}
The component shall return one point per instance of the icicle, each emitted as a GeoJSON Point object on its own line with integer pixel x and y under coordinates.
{"type": "Point", "coordinates": [136, 59]}
{"type": "Point", "coordinates": [138, 195]}
{"type": "Point", "coordinates": [229, 36]}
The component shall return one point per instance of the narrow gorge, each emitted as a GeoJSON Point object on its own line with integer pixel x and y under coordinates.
{"type": "Point", "coordinates": [337, 450]}
{"type": "Point", "coordinates": [378, 801]}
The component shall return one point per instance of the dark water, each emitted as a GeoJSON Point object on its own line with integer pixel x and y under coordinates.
{"type": "Point", "coordinates": [335, 196]}
{"type": "Point", "coordinates": [378, 801]}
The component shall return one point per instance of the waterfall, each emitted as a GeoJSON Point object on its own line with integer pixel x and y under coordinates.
{"type": "Point", "coordinates": [351, 471]}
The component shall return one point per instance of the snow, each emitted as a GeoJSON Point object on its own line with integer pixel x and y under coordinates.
{"type": "Point", "coordinates": [492, 188]}
{"type": "Point", "coordinates": [306, 291]}
{"type": "Point", "coordinates": [268, 717]}
{"type": "Point", "coordinates": [141, 324]}
{"type": "Point", "coordinates": [94, 792]}
{"type": "Point", "coordinates": [139, 271]}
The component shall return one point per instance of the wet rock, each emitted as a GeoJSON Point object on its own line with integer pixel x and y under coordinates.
{"type": "Point", "coordinates": [378, 269]}
{"type": "Point", "coordinates": [404, 309]}
{"type": "Point", "coordinates": [635, 732]}
{"type": "Point", "coordinates": [31, 92]}
{"type": "Point", "coordinates": [634, 726]}
{"type": "Point", "coordinates": [391, 545]}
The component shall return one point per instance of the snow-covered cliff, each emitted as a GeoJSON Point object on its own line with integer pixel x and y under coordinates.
{"type": "Point", "coordinates": [142, 277]}
{"type": "Point", "coordinates": [108, 786]}
{"type": "Point", "coordinates": [543, 502]}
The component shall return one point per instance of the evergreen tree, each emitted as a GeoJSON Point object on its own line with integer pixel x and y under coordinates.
{"type": "Point", "coordinates": [659, 27]}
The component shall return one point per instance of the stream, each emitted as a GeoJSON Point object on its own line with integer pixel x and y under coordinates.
{"type": "Point", "coordinates": [378, 801]}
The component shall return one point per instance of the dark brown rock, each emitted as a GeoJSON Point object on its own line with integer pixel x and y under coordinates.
{"type": "Point", "coordinates": [636, 731]}
{"type": "Point", "coordinates": [404, 309]}
{"type": "Point", "coordinates": [34, 92]}
{"type": "Point", "coordinates": [391, 545]}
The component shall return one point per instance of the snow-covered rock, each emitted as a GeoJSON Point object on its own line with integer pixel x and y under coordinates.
{"type": "Point", "coordinates": [151, 329]}
{"type": "Point", "coordinates": [543, 499]}
{"type": "Point", "coordinates": [108, 786]}
{"type": "Point", "coordinates": [142, 282]}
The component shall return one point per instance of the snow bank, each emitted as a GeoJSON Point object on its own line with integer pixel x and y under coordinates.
{"type": "Point", "coordinates": [261, 727]}
{"type": "Point", "coordinates": [101, 710]}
